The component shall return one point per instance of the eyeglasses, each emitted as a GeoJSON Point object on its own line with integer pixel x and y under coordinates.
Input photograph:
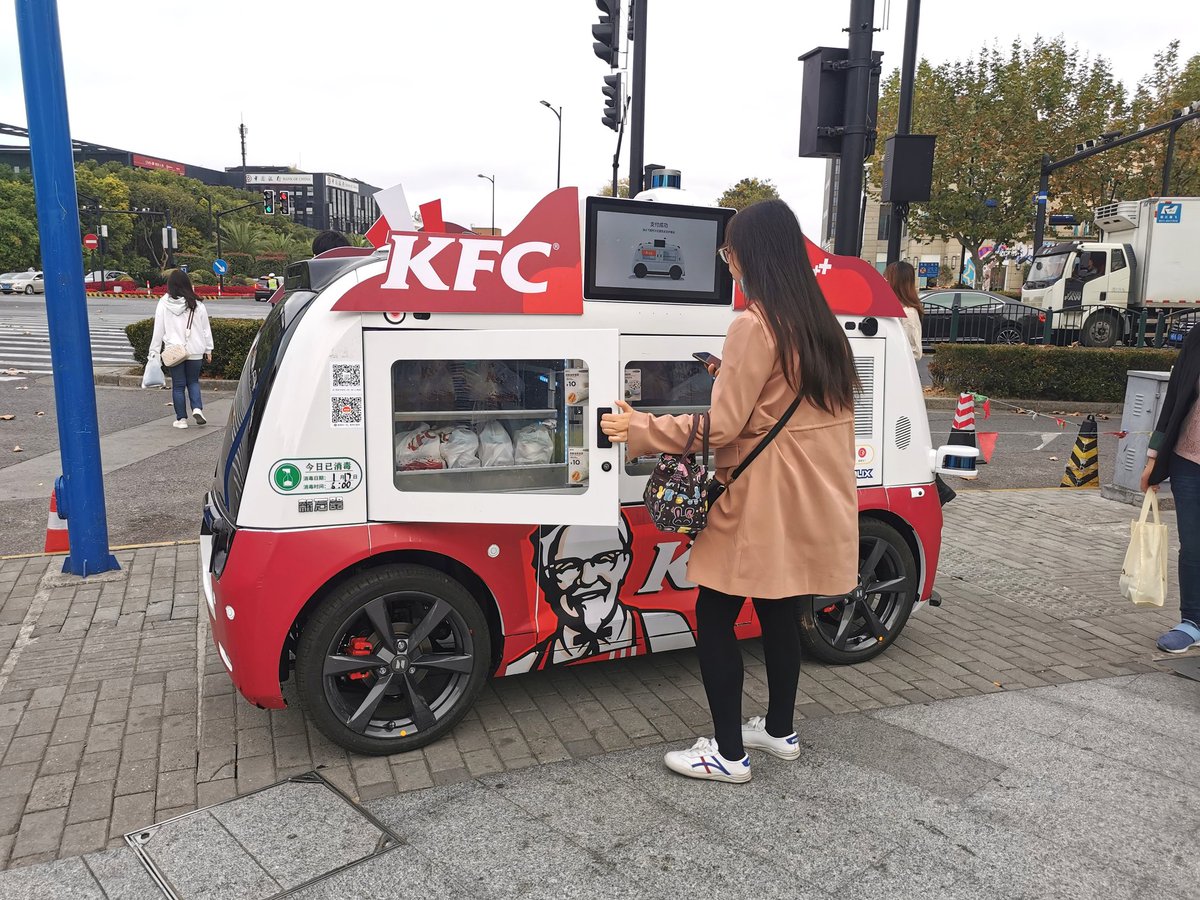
{"type": "Point", "coordinates": [724, 254]}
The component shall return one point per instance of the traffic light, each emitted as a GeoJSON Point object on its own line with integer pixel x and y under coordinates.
{"type": "Point", "coordinates": [612, 101]}
{"type": "Point", "coordinates": [268, 202]}
{"type": "Point", "coordinates": [607, 33]}
{"type": "Point", "coordinates": [285, 203]}
{"type": "Point", "coordinates": [823, 101]}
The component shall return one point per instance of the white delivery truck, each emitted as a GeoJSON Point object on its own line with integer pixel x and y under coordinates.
{"type": "Point", "coordinates": [1142, 262]}
{"type": "Point", "coordinates": [413, 493]}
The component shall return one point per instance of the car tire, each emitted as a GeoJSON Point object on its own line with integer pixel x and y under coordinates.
{"type": "Point", "coordinates": [371, 709]}
{"type": "Point", "coordinates": [1102, 329]}
{"type": "Point", "coordinates": [676, 273]}
{"type": "Point", "coordinates": [29, 290]}
{"type": "Point", "coordinates": [888, 590]}
{"type": "Point", "coordinates": [640, 270]}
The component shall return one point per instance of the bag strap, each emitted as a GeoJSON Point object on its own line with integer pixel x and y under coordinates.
{"type": "Point", "coordinates": [191, 316]}
{"type": "Point", "coordinates": [1148, 504]}
{"type": "Point", "coordinates": [687, 448]}
{"type": "Point", "coordinates": [770, 436]}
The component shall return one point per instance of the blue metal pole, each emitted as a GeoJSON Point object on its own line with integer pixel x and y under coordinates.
{"type": "Point", "coordinates": [53, 163]}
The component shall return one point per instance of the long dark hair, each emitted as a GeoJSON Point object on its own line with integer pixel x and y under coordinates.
{"type": "Point", "coordinates": [777, 276]}
{"type": "Point", "coordinates": [903, 281]}
{"type": "Point", "coordinates": [180, 286]}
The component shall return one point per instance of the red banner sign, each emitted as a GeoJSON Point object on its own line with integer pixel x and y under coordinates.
{"type": "Point", "coordinates": [149, 162]}
{"type": "Point", "coordinates": [535, 270]}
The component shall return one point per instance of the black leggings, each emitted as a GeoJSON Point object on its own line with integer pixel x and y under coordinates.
{"type": "Point", "coordinates": [721, 664]}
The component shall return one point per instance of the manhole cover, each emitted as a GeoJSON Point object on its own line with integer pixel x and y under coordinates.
{"type": "Point", "coordinates": [267, 844]}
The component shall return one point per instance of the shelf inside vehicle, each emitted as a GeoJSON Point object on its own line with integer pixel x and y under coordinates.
{"type": "Point", "coordinates": [444, 415]}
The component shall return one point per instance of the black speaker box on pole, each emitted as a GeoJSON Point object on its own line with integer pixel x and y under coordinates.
{"type": "Point", "coordinates": [907, 168]}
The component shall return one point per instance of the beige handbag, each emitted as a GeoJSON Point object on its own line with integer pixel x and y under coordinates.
{"type": "Point", "coordinates": [174, 354]}
{"type": "Point", "coordinates": [1144, 574]}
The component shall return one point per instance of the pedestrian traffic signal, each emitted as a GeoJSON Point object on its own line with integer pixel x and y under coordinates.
{"type": "Point", "coordinates": [607, 33]}
{"type": "Point", "coordinates": [612, 101]}
{"type": "Point", "coordinates": [285, 203]}
{"type": "Point", "coordinates": [268, 202]}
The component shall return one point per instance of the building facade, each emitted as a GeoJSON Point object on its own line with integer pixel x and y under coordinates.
{"type": "Point", "coordinates": [320, 200]}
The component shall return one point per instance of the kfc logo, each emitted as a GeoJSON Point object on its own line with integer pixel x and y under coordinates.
{"type": "Point", "coordinates": [405, 261]}
{"type": "Point", "coordinates": [535, 270]}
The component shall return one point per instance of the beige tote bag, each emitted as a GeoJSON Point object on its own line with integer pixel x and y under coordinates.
{"type": "Point", "coordinates": [1144, 574]}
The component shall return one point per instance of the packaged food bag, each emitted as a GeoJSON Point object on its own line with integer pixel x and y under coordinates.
{"type": "Point", "coordinates": [533, 445]}
{"type": "Point", "coordinates": [420, 448]}
{"type": "Point", "coordinates": [460, 448]}
{"type": "Point", "coordinates": [495, 446]}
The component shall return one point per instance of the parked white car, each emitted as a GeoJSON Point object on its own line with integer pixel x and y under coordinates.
{"type": "Point", "coordinates": [30, 282]}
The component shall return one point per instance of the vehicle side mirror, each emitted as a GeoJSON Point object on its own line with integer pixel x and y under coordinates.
{"type": "Point", "coordinates": [953, 459]}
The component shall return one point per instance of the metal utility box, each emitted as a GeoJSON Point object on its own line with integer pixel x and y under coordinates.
{"type": "Point", "coordinates": [1144, 396]}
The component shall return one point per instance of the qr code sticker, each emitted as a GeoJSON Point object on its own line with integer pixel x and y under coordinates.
{"type": "Point", "coordinates": [346, 412]}
{"type": "Point", "coordinates": [345, 378]}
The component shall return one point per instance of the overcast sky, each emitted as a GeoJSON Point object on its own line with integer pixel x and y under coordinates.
{"type": "Point", "coordinates": [431, 93]}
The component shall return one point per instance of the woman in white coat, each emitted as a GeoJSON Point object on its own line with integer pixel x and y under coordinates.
{"type": "Point", "coordinates": [181, 320]}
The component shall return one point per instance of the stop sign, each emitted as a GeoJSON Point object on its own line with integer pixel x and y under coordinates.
{"type": "Point", "coordinates": [91, 241]}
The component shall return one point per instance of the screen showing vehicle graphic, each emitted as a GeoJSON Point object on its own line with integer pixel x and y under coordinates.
{"type": "Point", "coordinates": [643, 250]}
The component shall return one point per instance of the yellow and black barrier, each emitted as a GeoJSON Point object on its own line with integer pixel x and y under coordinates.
{"type": "Point", "coordinates": [1083, 468]}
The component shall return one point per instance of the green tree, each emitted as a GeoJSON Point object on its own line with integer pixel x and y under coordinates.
{"type": "Point", "coordinates": [241, 238]}
{"type": "Point", "coordinates": [1169, 87]}
{"type": "Point", "coordinates": [994, 116]}
{"type": "Point", "coordinates": [19, 244]}
{"type": "Point", "coordinates": [746, 192]}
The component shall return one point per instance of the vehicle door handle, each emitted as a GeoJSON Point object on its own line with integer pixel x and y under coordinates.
{"type": "Point", "coordinates": [602, 440]}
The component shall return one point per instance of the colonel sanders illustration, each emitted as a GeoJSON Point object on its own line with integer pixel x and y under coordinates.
{"type": "Point", "coordinates": [581, 570]}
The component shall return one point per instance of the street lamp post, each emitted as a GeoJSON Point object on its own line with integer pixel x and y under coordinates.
{"type": "Point", "coordinates": [492, 179]}
{"type": "Point", "coordinates": [557, 112]}
{"type": "Point", "coordinates": [98, 254]}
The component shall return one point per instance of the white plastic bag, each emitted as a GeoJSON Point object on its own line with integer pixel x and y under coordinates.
{"type": "Point", "coordinates": [533, 445]}
{"type": "Point", "coordinates": [495, 446]}
{"type": "Point", "coordinates": [153, 374]}
{"type": "Point", "coordinates": [419, 449]}
{"type": "Point", "coordinates": [1144, 573]}
{"type": "Point", "coordinates": [460, 448]}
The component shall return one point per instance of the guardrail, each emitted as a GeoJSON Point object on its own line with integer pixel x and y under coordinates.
{"type": "Point", "coordinates": [1092, 325]}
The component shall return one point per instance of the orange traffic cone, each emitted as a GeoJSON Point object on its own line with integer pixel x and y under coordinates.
{"type": "Point", "coordinates": [56, 529]}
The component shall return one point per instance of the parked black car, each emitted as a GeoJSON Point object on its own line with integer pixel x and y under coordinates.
{"type": "Point", "coordinates": [982, 317]}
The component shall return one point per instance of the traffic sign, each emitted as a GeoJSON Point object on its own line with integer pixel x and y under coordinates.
{"type": "Point", "coordinates": [220, 267]}
{"type": "Point", "coordinates": [91, 241]}
{"type": "Point", "coordinates": [928, 269]}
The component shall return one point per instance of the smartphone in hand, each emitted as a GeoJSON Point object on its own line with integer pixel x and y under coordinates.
{"type": "Point", "coordinates": [708, 359]}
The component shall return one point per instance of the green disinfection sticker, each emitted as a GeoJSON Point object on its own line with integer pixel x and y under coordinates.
{"type": "Point", "coordinates": [327, 475]}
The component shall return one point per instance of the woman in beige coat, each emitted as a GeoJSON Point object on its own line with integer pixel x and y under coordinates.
{"type": "Point", "coordinates": [788, 526]}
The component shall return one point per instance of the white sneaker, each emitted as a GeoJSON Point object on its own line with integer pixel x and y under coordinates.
{"type": "Point", "coordinates": [705, 761]}
{"type": "Point", "coordinates": [180, 423]}
{"type": "Point", "coordinates": [755, 737]}
{"type": "Point", "coordinates": [198, 415]}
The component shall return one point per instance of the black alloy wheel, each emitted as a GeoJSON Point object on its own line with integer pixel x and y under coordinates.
{"type": "Point", "coordinates": [676, 273]}
{"type": "Point", "coordinates": [860, 625]}
{"type": "Point", "coordinates": [392, 659]}
{"type": "Point", "coordinates": [640, 270]}
{"type": "Point", "coordinates": [1008, 333]}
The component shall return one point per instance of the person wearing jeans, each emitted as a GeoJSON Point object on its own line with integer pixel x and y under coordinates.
{"type": "Point", "coordinates": [786, 528]}
{"type": "Point", "coordinates": [181, 320]}
{"type": "Point", "coordinates": [1174, 454]}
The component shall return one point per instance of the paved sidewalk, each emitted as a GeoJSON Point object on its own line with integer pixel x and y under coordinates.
{"type": "Point", "coordinates": [101, 731]}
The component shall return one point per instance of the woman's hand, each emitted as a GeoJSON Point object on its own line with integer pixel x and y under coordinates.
{"type": "Point", "coordinates": [1145, 483]}
{"type": "Point", "coordinates": [713, 369]}
{"type": "Point", "coordinates": [208, 357]}
{"type": "Point", "coordinates": [616, 425]}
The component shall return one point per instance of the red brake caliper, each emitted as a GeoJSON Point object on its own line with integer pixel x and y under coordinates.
{"type": "Point", "coordinates": [359, 646]}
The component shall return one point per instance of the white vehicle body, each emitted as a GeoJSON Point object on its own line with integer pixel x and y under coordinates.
{"type": "Point", "coordinates": [30, 282]}
{"type": "Point", "coordinates": [319, 483]}
{"type": "Point", "coordinates": [657, 257]}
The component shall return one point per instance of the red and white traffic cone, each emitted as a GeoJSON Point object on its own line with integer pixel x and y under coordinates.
{"type": "Point", "coordinates": [962, 431]}
{"type": "Point", "coordinates": [56, 529]}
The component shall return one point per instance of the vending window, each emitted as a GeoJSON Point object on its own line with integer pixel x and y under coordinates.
{"type": "Point", "coordinates": [490, 425]}
{"type": "Point", "coordinates": [665, 387]}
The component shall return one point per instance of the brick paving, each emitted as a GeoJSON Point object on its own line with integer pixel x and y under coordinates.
{"type": "Point", "coordinates": [109, 720]}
